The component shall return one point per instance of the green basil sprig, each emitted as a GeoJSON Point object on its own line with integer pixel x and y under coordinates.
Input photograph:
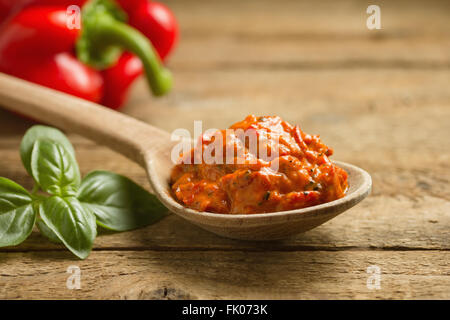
{"type": "Point", "coordinates": [66, 208]}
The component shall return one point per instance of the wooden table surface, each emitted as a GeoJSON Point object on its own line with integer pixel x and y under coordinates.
{"type": "Point", "coordinates": [381, 99]}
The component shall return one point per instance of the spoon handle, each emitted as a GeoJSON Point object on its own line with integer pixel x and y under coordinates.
{"type": "Point", "coordinates": [124, 134]}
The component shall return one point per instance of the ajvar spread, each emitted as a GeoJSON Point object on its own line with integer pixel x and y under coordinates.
{"type": "Point", "coordinates": [301, 174]}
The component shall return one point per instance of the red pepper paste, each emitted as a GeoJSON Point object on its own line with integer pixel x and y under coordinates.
{"type": "Point", "coordinates": [301, 175]}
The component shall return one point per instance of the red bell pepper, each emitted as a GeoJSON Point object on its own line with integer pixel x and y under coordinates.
{"type": "Point", "coordinates": [65, 73]}
{"type": "Point", "coordinates": [154, 20]}
{"type": "Point", "coordinates": [35, 45]}
{"type": "Point", "coordinates": [9, 8]}
{"type": "Point", "coordinates": [37, 37]}
{"type": "Point", "coordinates": [118, 79]}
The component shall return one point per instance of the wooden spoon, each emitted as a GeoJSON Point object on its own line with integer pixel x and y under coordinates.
{"type": "Point", "coordinates": [151, 148]}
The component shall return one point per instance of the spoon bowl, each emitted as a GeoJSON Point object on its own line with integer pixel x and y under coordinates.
{"type": "Point", "coordinates": [151, 148]}
{"type": "Point", "coordinates": [263, 226]}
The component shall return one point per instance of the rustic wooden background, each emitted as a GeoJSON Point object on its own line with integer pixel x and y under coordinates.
{"type": "Point", "coordinates": [380, 98]}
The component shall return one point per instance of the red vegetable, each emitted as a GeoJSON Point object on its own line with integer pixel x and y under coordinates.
{"type": "Point", "coordinates": [154, 20]}
{"type": "Point", "coordinates": [38, 31]}
{"type": "Point", "coordinates": [119, 78]}
{"type": "Point", "coordinates": [130, 5]}
{"type": "Point", "coordinates": [11, 7]}
{"type": "Point", "coordinates": [65, 73]}
{"type": "Point", "coordinates": [36, 45]}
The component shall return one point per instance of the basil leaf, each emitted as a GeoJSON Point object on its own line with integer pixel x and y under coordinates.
{"type": "Point", "coordinates": [17, 216]}
{"type": "Point", "coordinates": [40, 132]}
{"type": "Point", "coordinates": [47, 232]}
{"type": "Point", "coordinates": [71, 222]}
{"type": "Point", "coordinates": [54, 168]}
{"type": "Point", "coordinates": [118, 203]}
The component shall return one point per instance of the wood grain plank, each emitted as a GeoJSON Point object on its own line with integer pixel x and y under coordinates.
{"type": "Point", "coordinates": [380, 223]}
{"type": "Point", "coordinates": [305, 35]}
{"type": "Point", "coordinates": [400, 120]}
{"type": "Point", "coordinates": [409, 209]}
{"type": "Point", "coordinates": [347, 17]}
{"type": "Point", "coordinates": [226, 53]}
{"type": "Point", "coordinates": [227, 275]}
{"type": "Point", "coordinates": [316, 100]}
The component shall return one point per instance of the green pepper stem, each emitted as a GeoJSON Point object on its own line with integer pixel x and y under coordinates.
{"type": "Point", "coordinates": [111, 32]}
